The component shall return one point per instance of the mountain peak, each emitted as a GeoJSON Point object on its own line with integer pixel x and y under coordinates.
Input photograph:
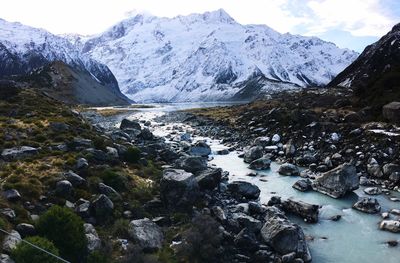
{"type": "Point", "coordinates": [218, 15]}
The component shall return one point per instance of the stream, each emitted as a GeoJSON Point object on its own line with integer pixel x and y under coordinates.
{"type": "Point", "coordinates": [354, 238]}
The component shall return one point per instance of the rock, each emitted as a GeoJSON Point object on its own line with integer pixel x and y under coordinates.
{"type": "Point", "coordinates": [80, 143]}
{"type": "Point", "coordinates": [337, 182]}
{"type": "Point", "coordinates": [252, 154]}
{"type": "Point", "coordinates": [128, 124]}
{"type": "Point", "coordinates": [392, 243]}
{"type": "Point", "coordinates": [303, 185]}
{"type": "Point", "coordinates": [395, 211]}
{"type": "Point", "coordinates": [335, 218]}
{"type": "Point", "coordinates": [26, 230]}
{"type": "Point", "coordinates": [59, 126]}
{"type": "Point", "coordinates": [222, 152]}
{"type": "Point", "coordinates": [11, 241]}
{"type": "Point", "coordinates": [390, 225]}
{"type": "Point", "coordinates": [109, 191]}
{"type": "Point", "coordinates": [74, 179]}
{"type": "Point", "coordinates": [93, 240]}
{"type": "Point", "coordinates": [186, 137]}
{"type": "Point", "coordinates": [261, 141]}
{"type": "Point", "coordinates": [81, 164]}
{"type": "Point", "coordinates": [219, 213]}
{"type": "Point", "coordinates": [4, 258]}
{"type": "Point", "coordinates": [64, 188]}
{"type": "Point", "coordinates": [243, 189]}
{"type": "Point", "coordinates": [374, 169]}
{"type": "Point", "coordinates": [289, 169]}
{"type": "Point", "coordinates": [246, 240]}
{"type": "Point", "coordinates": [255, 208]}
{"type": "Point", "coordinates": [178, 189]}
{"type": "Point", "coordinates": [262, 163]}
{"type": "Point", "coordinates": [12, 195]}
{"type": "Point", "coordinates": [290, 148]}
{"type": "Point", "coordinates": [367, 205]}
{"type": "Point", "coordinates": [82, 208]}
{"type": "Point", "coordinates": [248, 222]}
{"type": "Point", "coordinates": [112, 153]}
{"type": "Point", "coordinates": [209, 179]}
{"type": "Point", "coordinates": [146, 234]}
{"type": "Point", "coordinates": [146, 134]}
{"type": "Point", "coordinates": [274, 200]}
{"type": "Point", "coordinates": [275, 139]}
{"type": "Point", "coordinates": [391, 112]}
{"type": "Point", "coordinates": [200, 148]}
{"type": "Point", "coordinates": [192, 164]}
{"type": "Point", "coordinates": [8, 212]}
{"type": "Point", "coordinates": [385, 215]}
{"type": "Point", "coordinates": [395, 177]}
{"type": "Point", "coordinates": [306, 159]}
{"type": "Point", "coordinates": [17, 153]}
{"type": "Point", "coordinates": [335, 137]}
{"type": "Point", "coordinates": [283, 236]}
{"type": "Point", "coordinates": [102, 207]}
{"type": "Point", "coordinates": [372, 190]}
{"type": "Point", "coordinates": [391, 168]}
{"type": "Point", "coordinates": [306, 211]}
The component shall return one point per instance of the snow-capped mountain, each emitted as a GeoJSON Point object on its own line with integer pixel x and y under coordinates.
{"type": "Point", "coordinates": [24, 48]}
{"type": "Point", "coordinates": [209, 57]}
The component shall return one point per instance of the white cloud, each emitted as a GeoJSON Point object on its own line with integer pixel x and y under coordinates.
{"type": "Point", "coordinates": [359, 17]}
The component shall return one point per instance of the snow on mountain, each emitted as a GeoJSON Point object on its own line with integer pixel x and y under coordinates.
{"type": "Point", "coordinates": [208, 57]}
{"type": "Point", "coordinates": [24, 48]}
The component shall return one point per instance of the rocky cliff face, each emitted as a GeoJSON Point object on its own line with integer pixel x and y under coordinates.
{"type": "Point", "coordinates": [209, 57]}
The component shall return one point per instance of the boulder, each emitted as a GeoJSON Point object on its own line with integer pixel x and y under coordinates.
{"type": "Point", "coordinates": [80, 143]}
{"type": "Point", "coordinates": [262, 141]}
{"type": "Point", "coordinates": [109, 191]}
{"type": "Point", "coordinates": [337, 182]}
{"type": "Point", "coordinates": [209, 179]}
{"type": "Point", "coordinates": [200, 148]}
{"type": "Point", "coordinates": [284, 236]}
{"type": "Point", "coordinates": [390, 225]}
{"type": "Point", "coordinates": [192, 164]}
{"type": "Point", "coordinates": [303, 185]}
{"type": "Point", "coordinates": [11, 241]}
{"type": "Point", "coordinates": [26, 230]}
{"type": "Point", "coordinates": [64, 188]}
{"type": "Point", "coordinates": [219, 213]}
{"type": "Point", "coordinates": [367, 205]}
{"type": "Point", "coordinates": [146, 234]}
{"type": "Point", "coordinates": [17, 153]}
{"type": "Point", "coordinates": [12, 195]}
{"type": "Point", "coordinates": [372, 190]}
{"type": "Point", "coordinates": [246, 240]}
{"type": "Point", "coordinates": [390, 168]}
{"type": "Point", "coordinates": [391, 112]}
{"type": "Point", "coordinates": [82, 208]}
{"type": "Point", "coordinates": [275, 139]}
{"type": "Point", "coordinates": [241, 189]}
{"type": "Point", "coordinates": [81, 164]}
{"type": "Point", "coordinates": [74, 179]}
{"type": "Point", "coordinates": [128, 124]}
{"type": "Point", "coordinates": [4, 258]}
{"type": "Point", "coordinates": [374, 169]}
{"type": "Point", "coordinates": [308, 212]}
{"type": "Point", "coordinates": [248, 222]}
{"type": "Point", "coordinates": [102, 207]}
{"type": "Point", "coordinates": [262, 163]}
{"type": "Point", "coordinates": [178, 189]}
{"type": "Point", "coordinates": [253, 153]}
{"type": "Point", "coordinates": [146, 134]}
{"type": "Point", "coordinates": [59, 126]}
{"type": "Point", "coordinates": [289, 169]}
{"type": "Point", "coordinates": [93, 240]}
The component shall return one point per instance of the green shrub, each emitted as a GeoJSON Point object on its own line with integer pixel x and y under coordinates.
{"type": "Point", "coordinates": [120, 228]}
{"type": "Point", "coordinates": [65, 229]}
{"type": "Point", "coordinates": [97, 257]}
{"type": "Point", "coordinates": [132, 155]}
{"type": "Point", "coordinates": [114, 179]}
{"type": "Point", "coordinates": [25, 253]}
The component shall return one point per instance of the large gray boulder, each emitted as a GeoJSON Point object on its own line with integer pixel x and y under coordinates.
{"type": "Point", "coordinates": [391, 111]}
{"type": "Point", "coordinates": [262, 163]}
{"type": "Point", "coordinates": [284, 236]}
{"type": "Point", "coordinates": [308, 212]}
{"type": "Point", "coordinates": [253, 153]}
{"type": "Point", "coordinates": [390, 225]}
{"type": "Point", "coordinates": [102, 207]}
{"type": "Point", "coordinates": [178, 189]}
{"type": "Point", "coordinates": [289, 170]}
{"type": "Point", "coordinates": [200, 148]}
{"type": "Point", "coordinates": [18, 153]}
{"type": "Point", "coordinates": [93, 240]}
{"type": "Point", "coordinates": [109, 191]}
{"type": "Point", "coordinates": [146, 234]}
{"type": "Point", "coordinates": [337, 182]}
{"type": "Point", "coordinates": [128, 124]}
{"type": "Point", "coordinates": [74, 178]}
{"type": "Point", "coordinates": [4, 258]}
{"type": "Point", "coordinates": [11, 241]}
{"type": "Point", "coordinates": [210, 178]}
{"type": "Point", "coordinates": [242, 189]}
{"type": "Point", "coordinates": [12, 195]}
{"type": "Point", "coordinates": [64, 188]}
{"type": "Point", "coordinates": [192, 164]}
{"type": "Point", "coordinates": [367, 205]}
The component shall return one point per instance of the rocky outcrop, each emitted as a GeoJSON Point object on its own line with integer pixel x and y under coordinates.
{"type": "Point", "coordinates": [337, 182]}
{"type": "Point", "coordinates": [308, 212]}
{"type": "Point", "coordinates": [146, 234]}
{"type": "Point", "coordinates": [283, 236]}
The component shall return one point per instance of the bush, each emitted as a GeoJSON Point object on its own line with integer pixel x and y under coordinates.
{"type": "Point", "coordinates": [97, 257]}
{"type": "Point", "coordinates": [132, 155]}
{"type": "Point", "coordinates": [25, 253]}
{"type": "Point", "coordinates": [120, 228]}
{"type": "Point", "coordinates": [115, 180]}
{"type": "Point", "coordinates": [65, 229]}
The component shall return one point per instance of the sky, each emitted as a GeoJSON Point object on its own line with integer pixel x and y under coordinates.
{"type": "Point", "coordinates": [348, 23]}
